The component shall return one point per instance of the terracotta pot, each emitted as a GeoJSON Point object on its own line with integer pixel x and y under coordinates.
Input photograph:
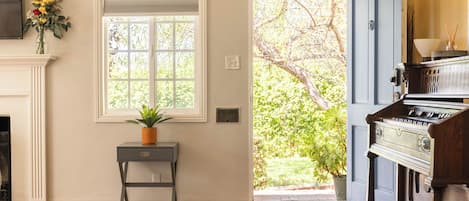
{"type": "Point", "coordinates": [149, 136]}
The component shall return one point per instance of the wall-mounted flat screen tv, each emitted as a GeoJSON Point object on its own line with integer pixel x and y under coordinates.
{"type": "Point", "coordinates": [11, 19]}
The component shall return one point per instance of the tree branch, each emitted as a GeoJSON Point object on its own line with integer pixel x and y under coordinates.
{"type": "Point", "coordinates": [335, 30]}
{"type": "Point", "coordinates": [311, 16]}
{"type": "Point", "coordinates": [283, 10]}
{"type": "Point", "coordinates": [270, 54]}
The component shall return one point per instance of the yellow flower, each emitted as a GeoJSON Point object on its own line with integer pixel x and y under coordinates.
{"type": "Point", "coordinates": [42, 20]}
{"type": "Point", "coordinates": [37, 2]}
{"type": "Point", "coordinates": [42, 9]}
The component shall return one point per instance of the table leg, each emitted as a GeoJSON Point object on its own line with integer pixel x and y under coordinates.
{"type": "Point", "coordinates": [123, 173]}
{"type": "Point", "coordinates": [438, 193]}
{"type": "Point", "coordinates": [371, 176]}
{"type": "Point", "coordinates": [411, 185]}
{"type": "Point", "coordinates": [125, 180]}
{"type": "Point", "coordinates": [173, 178]}
{"type": "Point", "coordinates": [401, 182]}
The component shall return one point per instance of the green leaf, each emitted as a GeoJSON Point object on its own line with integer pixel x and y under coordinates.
{"type": "Point", "coordinates": [132, 121]}
{"type": "Point", "coordinates": [57, 31]}
{"type": "Point", "coordinates": [151, 116]}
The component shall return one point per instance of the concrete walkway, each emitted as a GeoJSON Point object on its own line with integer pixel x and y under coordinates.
{"type": "Point", "coordinates": [294, 195]}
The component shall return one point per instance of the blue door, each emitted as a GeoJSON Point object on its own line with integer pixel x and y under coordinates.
{"type": "Point", "coordinates": [374, 48]}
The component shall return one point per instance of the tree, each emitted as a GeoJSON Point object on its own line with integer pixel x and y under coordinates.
{"type": "Point", "coordinates": [299, 83]}
{"type": "Point", "coordinates": [314, 35]}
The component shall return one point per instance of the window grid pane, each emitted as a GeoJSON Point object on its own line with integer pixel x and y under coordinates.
{"type": "Point", "coordinates": [117, 94]}
{"type": "Point", "coordinates": [128, 60]}
{"type": "Point", "coordinates": [139, 93]}
{"type": "Point", "coordinates": [139, 36]}
{"type": "Point", "coordinates": [164, 94]}
{"type": "Point", "coordinates": [175, 62]}
{"type": "Point", "coordinates": [139, 65]}
{"type": "Point", "coordinates": [185, 91]}
{"type": "Point", "coordinates": [185, 64]}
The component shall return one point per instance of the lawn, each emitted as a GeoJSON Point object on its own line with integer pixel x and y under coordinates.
{"type": "Point", "coordinates": [294, 171]}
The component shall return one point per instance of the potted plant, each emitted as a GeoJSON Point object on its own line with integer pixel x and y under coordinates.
{"type": "Point", "coordinates": [327, 149]}
{"type": "Point", "coordinates": [149, 117]}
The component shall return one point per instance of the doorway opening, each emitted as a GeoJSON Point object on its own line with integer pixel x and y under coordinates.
{"type": "Point", "coordinates": [299, 104]}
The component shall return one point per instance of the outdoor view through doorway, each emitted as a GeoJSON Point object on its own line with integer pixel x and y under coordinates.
{"type": "Point", "coordinates": [299, 107]}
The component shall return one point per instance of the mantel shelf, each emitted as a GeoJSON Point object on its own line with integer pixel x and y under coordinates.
{"type": "Point", "coordinates": [36, 59]}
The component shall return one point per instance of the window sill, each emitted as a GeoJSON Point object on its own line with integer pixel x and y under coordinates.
{"type": "Point", "coordinates": [176, 118]}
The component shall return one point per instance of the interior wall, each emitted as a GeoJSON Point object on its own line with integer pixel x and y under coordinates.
{"type": "Point", "coordinates": [214, 158]}
{"type": "Point", "coordinates": [431, 17]}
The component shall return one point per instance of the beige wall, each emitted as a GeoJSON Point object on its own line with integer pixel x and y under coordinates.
{"type": "Point", "coordinates": [432, 17]}
{"type": "Point", "coordinates": [214, 158]}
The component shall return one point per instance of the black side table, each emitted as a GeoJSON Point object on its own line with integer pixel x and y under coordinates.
{"type": "Point", "coordinates": [136, 152]}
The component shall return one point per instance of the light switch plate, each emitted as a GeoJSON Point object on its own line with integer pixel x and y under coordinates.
{"type": "Point", "coordinates": [232, 62]}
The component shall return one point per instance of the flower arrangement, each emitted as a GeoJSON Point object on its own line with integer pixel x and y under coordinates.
{"type": "Point", "coordinates": [45, 15]}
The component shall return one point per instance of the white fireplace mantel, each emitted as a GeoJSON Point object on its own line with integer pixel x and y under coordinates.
{"type": "Point", "coordinates": [24, 76]}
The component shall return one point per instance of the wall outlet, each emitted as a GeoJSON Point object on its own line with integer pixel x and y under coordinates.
{"type": "Point", "coordinates": [227, 115]}
{"type": "Point", "coordinates": [232, 62]}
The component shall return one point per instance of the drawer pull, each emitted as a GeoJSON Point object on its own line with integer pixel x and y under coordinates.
{"type": "Point", "coordinates": [379, 132]}
{"type": "Point", "coordinates": [144, 154]}
{"type": "Point", "coordinates": [425, 144]}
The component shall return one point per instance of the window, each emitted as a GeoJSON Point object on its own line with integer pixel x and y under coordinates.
{"type": "Point", "coordinates": [153, 59]}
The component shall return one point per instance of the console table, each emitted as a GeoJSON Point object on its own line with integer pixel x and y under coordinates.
{"type": "Point", "coordinates": [136, 152]}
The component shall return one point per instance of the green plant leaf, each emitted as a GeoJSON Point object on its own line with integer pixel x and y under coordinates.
{"type": "Point", "coordinates": [132, 121]}
{"type": "Point", "coordinates": [150, 116]}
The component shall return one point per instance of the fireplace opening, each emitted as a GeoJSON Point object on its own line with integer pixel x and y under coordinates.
{"type": "Point", "coordinates": [5, 159]}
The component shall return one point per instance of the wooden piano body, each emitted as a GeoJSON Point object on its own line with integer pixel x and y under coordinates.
{"type": "Point", "coordinates": [427, 131]}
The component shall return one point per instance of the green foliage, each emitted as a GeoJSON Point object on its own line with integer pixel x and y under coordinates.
{"type": "Point", "coordinates": [260, 165]}
{"type": "Point", "coordinates": [283, 111]}
{"type": "Point", "coordinates": [327, 147]}
{"type": "Point", "coordinates": [150, 116]}
{"type": "Point", "coordinates": [289, 123]}
{"type": "Point", "coordinates": [295, 40]}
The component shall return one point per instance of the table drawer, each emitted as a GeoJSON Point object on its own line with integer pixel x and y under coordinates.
{"type": "Point", "coordinates": [145, 154]}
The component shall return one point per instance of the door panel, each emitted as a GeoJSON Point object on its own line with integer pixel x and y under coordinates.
{"type": "Point", "coordinates": [360, 75]}
{"type": "Point", "coordinates": [373, 53]}
{"type": "Point", "coordinates": [358, 161]}
{"type": "Point", "coordinates": [384, 182]}
{"type": "Point", "coordinates": [384, 46]}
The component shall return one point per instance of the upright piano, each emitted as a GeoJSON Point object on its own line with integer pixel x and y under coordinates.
{"type": "Point", "coordinates": [426, 132]}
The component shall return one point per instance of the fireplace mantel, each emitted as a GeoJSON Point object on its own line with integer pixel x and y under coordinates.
{"type": "Point", "coordinates": [24, 76]}
{"type": "Point", "coordinates": [26, 60]}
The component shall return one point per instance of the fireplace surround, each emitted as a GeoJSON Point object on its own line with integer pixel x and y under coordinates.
{"type": "Point", "coordinates": [22, 99]}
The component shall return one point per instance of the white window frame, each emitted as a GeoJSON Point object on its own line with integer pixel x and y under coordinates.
{"type": "Point", "coordinates": [199, 114]}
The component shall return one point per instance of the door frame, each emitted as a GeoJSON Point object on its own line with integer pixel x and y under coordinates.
{"type": "Point", "coordinates": [251, 108]}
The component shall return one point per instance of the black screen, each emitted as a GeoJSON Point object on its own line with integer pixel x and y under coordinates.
{"type": "Point", "coordinates": [11, 19]}
{"type": "Point", "coordinates": [5, 159]}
